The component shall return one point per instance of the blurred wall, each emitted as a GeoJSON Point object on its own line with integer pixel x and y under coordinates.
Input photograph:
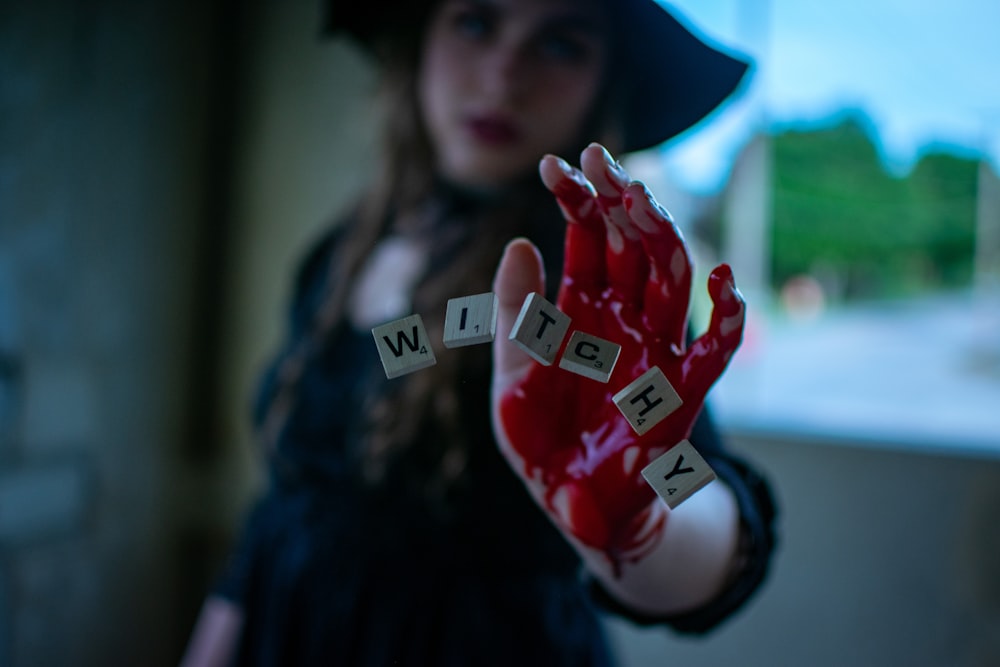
{"type": "Point", "coordinates": [888, 556]}
{"type": "Point", "coordinates": [146, 150]}
{"type": "Point", "coordinates": [303, 151]}
{"type": "Point", "coordinates": [105, 151]}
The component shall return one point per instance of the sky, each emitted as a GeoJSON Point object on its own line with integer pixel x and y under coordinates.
{"type": "Point", "coordinates": [925, 73]}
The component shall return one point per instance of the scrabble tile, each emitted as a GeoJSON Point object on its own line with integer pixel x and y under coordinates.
{"type": "Point", "coordinates": [647, 400]}
{"type": "Point", "coordinates": [590, 356]}
{"type": "Point", "coordinates": [678, 474]}
{"type": "Point", "coordinates": [470, 320]}
{"type": "Point", "coordinates": [403, 346]}
{"type": "Point", "coordinates": [539, 329]}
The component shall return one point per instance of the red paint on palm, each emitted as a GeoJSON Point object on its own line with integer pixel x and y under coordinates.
{"type": "Point", "coordinates": [566, 429]}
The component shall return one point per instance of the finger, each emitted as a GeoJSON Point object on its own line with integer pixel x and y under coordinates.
{"type": "Point", "coordinates": [710, 353]}
{"type": "Point", "coordinates": [584, 261]}
{"type": "Point", "coordinates": [519, 273]}
{"type": "Point", "coordinates": [728, 308]}
{"type": "Point", "coordinates": [625, 257]}
{"type": "Point", "coordinates": [668, 288]}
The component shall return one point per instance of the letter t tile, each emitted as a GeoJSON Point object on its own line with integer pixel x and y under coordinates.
{"type": "Point", "coordinates": [540, 328]}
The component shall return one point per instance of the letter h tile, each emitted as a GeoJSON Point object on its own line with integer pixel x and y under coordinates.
{"type": "Point", "coordinates": [647, 400]}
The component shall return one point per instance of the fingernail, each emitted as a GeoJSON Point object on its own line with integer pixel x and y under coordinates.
{"type": "Point", "coordinates": [656, 205]}
{"type": "Point", "coordinates": [564, 166]}
{"type": "Point", "coordinates": [572, 173]}
{"type": "Point", "coordinates": [726, 273]}
{"type": "Point", "coordinates": [664, 213]}
{"type": "Point", "coordinates": [614, 166]}
{"type": "Point", "coordinates": [721, 278]}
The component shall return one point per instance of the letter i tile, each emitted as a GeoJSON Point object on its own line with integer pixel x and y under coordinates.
{"type": "Point", "coordinates": [403, 346]}
{"type": "Point", "coordinates": [647, 400]}
{"type": "Point", "coordinates": [678, 474]}
{"type": "Point", "coordinates": [540, 328]}
{"type": "Point", "coordinates": [470, 320]}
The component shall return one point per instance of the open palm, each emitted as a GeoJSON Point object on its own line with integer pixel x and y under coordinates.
{"type": "Point", "coordinates": [626, 279]}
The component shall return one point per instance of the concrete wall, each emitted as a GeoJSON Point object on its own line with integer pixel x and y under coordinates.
{"type": "Point", "coordinates": [888, 557]}
{"type": "Point", "coordinates": [105, 166]}
{"type": "Point", "coordinates": [162, 164]}
{"type": "Point", "coordinates": [303, 150]}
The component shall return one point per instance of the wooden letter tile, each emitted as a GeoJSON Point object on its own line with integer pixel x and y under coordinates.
{"type": "Point", "coordinates": [647, 400]}
{"type": "Point", "coordinates": [678, 474]}
{"type": "Point", "coordinates": [539, 329]}
{"type": "Point", "coordinates": [470, 320]}
{"type": "Point", "coordinates": [590, 356]}
{"type": "Point", "coordinates": [403, 346]}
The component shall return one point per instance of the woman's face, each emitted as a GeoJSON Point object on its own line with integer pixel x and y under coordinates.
{"type": "Point", "coordinates": [502, 82]}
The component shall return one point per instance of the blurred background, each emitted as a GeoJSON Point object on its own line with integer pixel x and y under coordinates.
{"type": "Point", "coordinates": [164, 164]}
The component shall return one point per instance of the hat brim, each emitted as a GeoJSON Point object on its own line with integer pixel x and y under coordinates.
{"type": "Point", "coordinates": [678, 77]}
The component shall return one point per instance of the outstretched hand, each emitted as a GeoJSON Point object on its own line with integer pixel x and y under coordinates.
{"type": "Point", "coordinates": [627, 279]}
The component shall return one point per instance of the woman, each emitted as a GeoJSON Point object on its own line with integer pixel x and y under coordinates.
{"type": "Point", "coordinates": [397, 528]}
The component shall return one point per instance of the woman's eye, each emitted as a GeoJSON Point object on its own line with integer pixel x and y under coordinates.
{"type": "Point", "coordinates": [472, 23]}
{"type": "Point", "coordinates": [564, 48]}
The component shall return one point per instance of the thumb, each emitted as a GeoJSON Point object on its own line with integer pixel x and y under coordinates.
{"type": "Point", "coordinates": [520, 273]}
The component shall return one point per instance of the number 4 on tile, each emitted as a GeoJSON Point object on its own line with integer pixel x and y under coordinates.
{"type": "Point", "coordinates": [678, 474]}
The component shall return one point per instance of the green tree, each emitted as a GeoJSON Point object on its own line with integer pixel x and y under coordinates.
{"type": "Point", "coordinates": [839, 214]}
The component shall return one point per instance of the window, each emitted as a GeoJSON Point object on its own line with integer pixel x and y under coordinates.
{"type": "Point", "coordinates": [859, 204]}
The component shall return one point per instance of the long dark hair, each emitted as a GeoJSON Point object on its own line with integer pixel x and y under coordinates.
{"type": "Point", "coordinates": [431, 408]}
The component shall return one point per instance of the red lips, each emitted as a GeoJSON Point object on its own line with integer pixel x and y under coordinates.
{"type": "Point", "coordinates": [493, 130]}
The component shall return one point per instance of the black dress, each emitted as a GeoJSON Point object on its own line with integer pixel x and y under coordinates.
{"type": "Point", "coordinates": [331, 569]}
